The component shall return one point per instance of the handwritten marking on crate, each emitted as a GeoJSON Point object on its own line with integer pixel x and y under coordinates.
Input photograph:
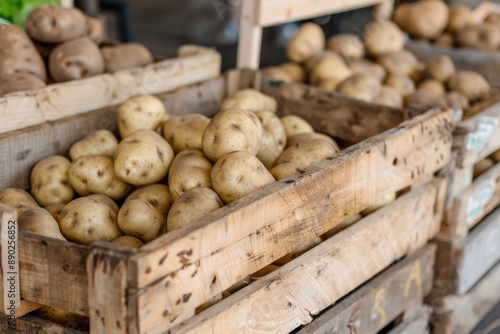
{"type": "Point", "coordinates": [485, 130]}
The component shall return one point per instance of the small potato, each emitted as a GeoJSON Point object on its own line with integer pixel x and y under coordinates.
{"type": "Point", "coordinates": [386, 200]}
{"type": "Point", "coordinates": [129, 241]}
{"type": "Point", "coordinates": [390, 97]}
{"type": "Point", "coordinates": [64, 318]}
{"type": "Point", "coordinates": [158, 195]}
{"type": "Point", "coordinates": [311, 63]}
{"type": "Point", "coordinates": [485, 36]}
{"type": "Point", "coordinates": [50, 181]}
{"type": "Point", "coordinates": [329, 69]}
{"type": "Point", "coordinates": [141, 112]}
{"type": "Point", "coordinates": [193, 204]}
{"type": "Point", "coordinates": [381, 37]}
{"type": "Point", "coordinates": [85, 220]}
{"type": "Point", "coordinates": [403, 62]}
{"type": "Point", "coordinates": [123, 56]}
{"type": "Point", "coordinates": [183, 132]}
{"type": "Point", "coordinates": [295, 71]}
{"type": "Point", "coordinates": [283, 171]}
{"type": "Point", "coordinates": [273, 124]}
{"type": "Point", "coordinates": [17, 198]}
{"type": "Point", "coordinates": [95, 174]}
{"type": "Point", "coordinates": [140, 219]}
{"type": "Point", "coordinates": [424, 99]}
{"type": "Point", "coordinates": [55, 210]}
{"type": "Point", "coordinates": [460, 16]}
{"type": "Point", "coordinates": [432, 86]}
{"type": "Point", "coordinates": [401, 83]}
{"type": "Point", "coordinates": [238, 174]}
{"type": "Point", "coordinates": [55, 24]}
{"type": "Point", "coordinates": [105, 200]}
{"type": "Point", "coordinates": [295, 125]}
{"type": "Point", "coordinates": [16, 82]}
{"type": "Point", "coordinates": [349, 46]}
{"type": "Point", "coordinates": [365, 66]}
{"type": "Point", "coordinates": [298, 251]}
{"type": "Point", "coordinates": [143, 158]}
{"type": "Point", "coordinates": [330, 84]}
{"type": "Point", "coordinates": [251, 100]}
{"type": "Point", "coordinates": [190, 169]}
{"type": "Point", "coordinates": [95, 30]}
{"type": "Point", "coordinates": [471, 84]}
{"type": "Point", "coordinates": [363, 87]}
{"type": "Point", "coordinates": [307, 41]}
{"type": "Point", "coordinates": [440, 68]}
{"type": "Point", "coordinates": [446, 39]}
{"type": "Point", "coordinates": [307, 153]}
{"type": "Point", "coordinates": [456, 100]}
{"type": "Point", "coordinates": [232, 130]}
{"type": "Point", "coordinates": [40, 221]}
{"type": "Point", "coordinates": [100, 142]}
{"type": "Point", "coordinates": [482, 166]}
{"type": "Point", "coordinates": [301, 137]}
{"type": "Point", "coordinates": [342, 226]}
{"type": "Point", "coordinates": [269, 150]}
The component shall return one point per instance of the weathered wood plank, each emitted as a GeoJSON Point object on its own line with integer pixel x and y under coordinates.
{"type": "Point", "coordinates": [286, 298]}
{"type": "Point", "coordinates": [399, 289]}
{"type": "Point", "coordinates": [29, 324]}
{"type": "Point", "coordinates": [417, 323]}
{"type": "Point", "coordinates": [9, 292]}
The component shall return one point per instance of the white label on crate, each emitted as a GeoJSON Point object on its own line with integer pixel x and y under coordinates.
{"type": "Point", "coordinates": [486, 126]}
{"type": "Point", "coordinates": [480, 199]}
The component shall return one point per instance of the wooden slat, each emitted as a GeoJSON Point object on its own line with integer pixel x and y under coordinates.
{"type": "Point", "coordinates": [29, 324]}
{"type": "Point", "coordinates": [250, 38]}
{"type": "Point", "coordinates": [418, 323]}
{"type": "Point", "coordinates": [24, 109]}
{"type": "Point", "coordinates": [399, 289]}
{"type": "Point", "coordinates": [286, 298]}
{"type": "Point", "coordinates": [9, 292]}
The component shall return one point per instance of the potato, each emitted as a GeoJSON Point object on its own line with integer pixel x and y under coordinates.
{"type": "Point", "coordinates": [55, 24]}
{"type": "Point", "coordinates": [251, 100]}
{"type": "Point", "coordinates": [77, 59]}
{"type": "Point", "coordinates": [381, 37]}
{"type": "Point", "coordinates": [446, 39]}
{"type": "Point", "coordinates": [295, 125]}
{"type": "Point", "coordinates": [95, 174]}
{"type": "Point", "coordinates": [330, 84]}
{"type": "Point", "coordinates": [277, 73]}
{"type": "Point", "coordinates": [329, 69]}
{"type": "Point", "coordinates": [301, 137]}
{"type": "Point", "coordinates": [311, 63]}
{"type": "Point", "coordinates": [349, 46]}
{"type": "Point", "coordinates": [485, 36]}
{"type": "Point", "coordinates": [140, 219]}
{"type": "Point", "coordinates": [19, 82]}
{"type": "Point", "coordinates": [460, 16]}
{"type": "Point", "coordinates": [18, 54]}
{"type": "Point", "coordinates": [424, 19]}
{"type": "Point", "coordinates": [307, 153]}
{"type": "Point", "coordinates": [183, 132]}
{"type": "Point", "coordinates": [401, 83]}
{"type": "Point", "coordinates": [273, 124]}
{"type": "Point", "coordinates": [284, 170]}
{"type": "Point", "coordinates": [141, 112]}
{"type": "Point", "coordinates": [386, 200]}
{"type": "Point", "coordinates": [95, 30]}
{"type": "Point", "coordinates": [269, 150]}
{"type": "Point", "coordinates": [342, 226]}
{"type": "Point", "coordinates": [238, 174]}
{"type": "Point", "coordinates": [493, 18]}
{"type": "Point", "coordinates": [123, 56]}
{"type": "Point", "coordinates": [55, 210]}
{"type": "Point", "coordinates": [365, 66]}
{"type": "Point", "coordinates": [17, 198]}
{"type": "Point", "coordinates": [232, 130]}
{"type": "Point", "coordinates": [190, 169]}
{"type": "Point", "coordinates": [158, 195]}
{"type": "Point", "coordinates": [129, 241]}
{"type": "Point", "coordinates": [295, 71]}
{"type": "Point", "coordinates": [193, 204]}
{"type": "Point", "coordinates": [440, 68]}
{"type": "Point", "coordinates": [471, 84]}
{"type": "Point", "coordinates": [40, 221]}
{"type": "Point", "coordinates": [495, 156]}
{"type": "Point", "coordinates": [298, 251]}
{"type": "Point", "coordinates": [456, 100]}
{"type": "Point", "coordinates": [482, 166]}
{"type": "Point", "coordinates": [307, 41]}
{"type": "Point", "coordinates": [360, 86]}
{"type": "Point", "coordinates": [50, 181]}
{"type": "Point", "coordinates": [85, 220]}
{"type": "Point", "coordinates": [390, 97]}
{"type": "Point", "coordinates": [100, 142]}
{"type": "Point", "coordinates": [105, 200]}
{"type": "Point", "coordinates": [403, 62]}
{"type": "Point", "coordinates": [432, 86]}
{"type": "Point", "coordinates": [401, 13]}
{"type": "Point", "coordinates": [143, 158]}
{"type": "Point", "coordinates": [424, 99]}
{"type": "Point", "coordinates": [70, 321]}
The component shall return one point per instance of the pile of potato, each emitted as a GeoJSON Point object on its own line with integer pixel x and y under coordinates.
{"type": "Point", "coordinates": [61, 44]}
{"type": "Point", "coordinates": [454, 25]}
{"type": "Point", "coordinates": [377, 69]}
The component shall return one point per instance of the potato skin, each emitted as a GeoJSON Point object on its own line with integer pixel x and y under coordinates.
{"type": "Point", "coordinates": [381, 37]}
{"type": "Point", "coordinates": [471, 84]}
{"type": "Point", "coordinates": [363, 87]}
{"type": "Point", "coordinates": [309, 40]}
{"type": "Point", "coordinates": [460, 16]}
{"type": "Point", "coordinates": [307, 153]}
{"type": "Point", "coordinates": [129, 241]}
{"type": "Point", "coordinates": [141, 220]}
{"type": "Point", "coordinates": [55, 24]}
{"type": "Point", "coordinates": [425, 19]}
{"type": "Point", "coordinates": [440, 68]}
{"type": "Point", "coordinates": [55, 209]}
{"type": "Point", "coordinates": [124, 56]}
{"type": "Point", "coordinates": [273, 124]}
{"type": "Point", "coordinates": [50, 181]}
{"type": "Point", "coordinates": [251, 100]}
{"type": "Point", "coordinates": [17, 82]}
{"type": "Point", "coordinates": [100, 142]}
{"type": "Point", "coordinates": [483, 37]}
{"type": "Point", "coordinates": [40, 221]}
{"type": "Point", "coordinates": [158, 195]}
{"type": "Point", "coordinates": [284, 170]}
{"type": "Point", "coordinates": [432, 86]}
{"type": "Point", "coordinates": [105, 200]}
{"type": "Point", "coordinates": [141, 112]}
{"type": "Point", "coordinates": [183, 132]}
{"type": "Point", "coordinates": [424, 99]}
{"type": "Point", "coordinates": [295, 125]}
{"type": "Point", "coordinates": [402, 61]}
{"type": "Point", "coordinates": [401, 83]}
{"type": "Point", "coordinates": [368, 67]}
{"type": "Point", "coordinates": [390, 97]}
{"type": "Point", "coordinates": [296, 71]}
{"type": "Point", "coordinates": [349, 46]}
{"type": "Point", "coordinates": [302, 137]}
{"type": "Point", "coordinates": [17, 198]}
{"type": "Point", "coordinates": [329, 68]}
{"type": "Point", "coordinates": [95, 30]}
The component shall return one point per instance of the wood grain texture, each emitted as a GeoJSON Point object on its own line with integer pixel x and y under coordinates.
{"type": "Point", "coordinates": [400, 289]}
{"type": "Point", "coordinates": [289, 296]}
{"type": "Point", "coordinates": [8, 220]}
{"type": "Point", "coordinates": [29, 324]}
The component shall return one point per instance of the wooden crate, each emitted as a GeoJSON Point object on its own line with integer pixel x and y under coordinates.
{"type": "Point", "coordinates": [56, 101]}
{"type": "Point", "coordinates": [157, 289]}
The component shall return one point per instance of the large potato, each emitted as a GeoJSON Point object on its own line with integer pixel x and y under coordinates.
{"type": "Point", "coordinates": [232, 130]}
{"type": "Point", "coordinates": [471, 84]}
{"type": "Point", "coordinates": [485, 36]}
{"type": "Point", "coordinates": [192, 205]}
{"type": "Point", "coordinates": [460, 16]}
{"type": "Point", "coordinates": [250, 99]}
{"type": "Point", "coordinates": [184, 132]}
{"type": "Point", "coordinates": [424, 19]}
{"type": "Point", "coordinates": [16, 82]}
{"type": "Point", "coordinates": [368, 67]}
{"type": "Point", "coordinates": [401, 83]}
{"type": "Point", "coordinates": [390, 97]}
{"type": "Point", "coordinates": [40, 221]}
{"type": "Point", "coordinates": [95, 174]}
{"type": "Point", "coordinates": [84, 220]}
{"type": "Point", "coordinates": [238, 174]}
{"type": "Point", "coordinates": [307, 41]}
{"type": "Point", "coordinates": [50, 181]}
{"type": "Point", "coordinates": [17, 198]}
{"type": "Point", "coordinates": [402, 61]}
{"type": "Point", "coordinates": [295, 125]}
{"type": "Point", "coordinates": [307, 153]}
{"type": "Point", "coordinates": [349, 46]}
{"type": "Point", "coordinates": [141, 220]}
{"type": "Point", "coordinates": [129, 241]}
{"type": "Point", "coordinates": [55, 24]}
{"type": "Point", "coordinates": [158, 195]}
{"type": "Point", "coordinates": [361, 86]}
{"type": "Point", "coordinates": [273, 124]}
{"type": "Point", "coordinates": [143, 158]}
{"type": "Point", "coordinates": [142, 112]}
{"type": "Point", "coordinates": [100, 142]}
{"type": "Point", "coordinates": [190, 169]}
{"type": "Point", "coordinates": [440, 68]}
{"type": "Point", "coordinates": [123, 56]}
{"type": "Point", "coordinates": [381, 37]}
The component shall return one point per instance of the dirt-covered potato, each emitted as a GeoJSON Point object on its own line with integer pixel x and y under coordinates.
{"type": "Point", "coordinates": [456, 100]}
{"type": "Point", "coordinates": [360, 86]}
{"type": "Point", "coordinates": [40, 221]}
{"type": "Point", "coordinates": [307, 41]}
{"type": "Point", "coordinates": [295, 71]}
{"type": "Point", "coordinates": [17, 82]}
{"type": "Point", "coordinates": [342, 226]}
{"type": "Point", "coordinates": [365, 66]}
{"type": "Point", "coordinates": [251, 100]}
{"type": "Point", "coordinates": [389, 97]}
{"type": "Point", "coordinates": [381, 37]}
{"type": "Point", "coordinates": [298, 251]}
{"type": "Point", "coordinates": [386, 200]}
{"type": "Point", "coordinates": [232, 130]}
{"type": "Point", "coordinates": [471, 84]}
{"type": "Point", "coordinates": [423, 19]}
{"type": "Point", "coordinates": [141, 112]}
{"type": "Point", "coordinates": [432, 86]}
{"type": "Point", "coordinates": [238, 174]}
{"type": "Point", "coordinates": [482, 166]}
{"type": "Point", "coordinates": [295, 125]}
{"type": "Point", "coordinates": [141, 220]}
{"type": "Point", "coordinates": [401, 83]}
{"type": "Point", "coordinates": [403, 62]}
{"type": "Point", "coordinates": [301, 137]}
{"type": "Point", "coordinates": [84, 220]}
{"type": "Point", "coordinates": [284, 170]}
{"type": "Point", "coordinates": [70, 320]}
{"type": "Point", "coordinates": [158, 195]}
{"type": "Point", "coordinates": [77, 59]}
{"type": "Point", "coordinates": [17, 198]}
{"type": "Point", "coordinates": [484, 36]}
{"type": "Point", "coordinates": [460, 16]}
{"type": "Point", "coordinates": [18, 54]}
{"type": "Point", "coordinates": [190, 169]}
{"type": "Point", "coordinates": [123, 56]}
{"type": "Point", "coordinates": [50, 181]}
{"type": "Point", "coordinates": [129, 241]}
{"type": "Point", "coordinates": [55, 24]}
{"type": "Point", "coordinates": [349, 46]}
{"type": "Point", "coordinates": [440, 68]}
{"type": "Point", "coordinates": [274, 125]}
{"type": "Point", "coordinates": [100, 142]}
{"type": "Point", "coordinates": [193, 204]}
{"type": "Point", "coordinates": [186, 131]}
{"type": "Point", "coordinates": [307, 153]}
{"type": "Point", "coordinates": [55, 210]}
{"type": "Point", "coordinates": [94, 30]}
{"type": "Point", "coordinates": [329, 68]}
{"type": "Point", "coordinates": [424, 99]}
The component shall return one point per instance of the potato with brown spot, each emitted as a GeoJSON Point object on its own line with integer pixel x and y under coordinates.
{"type": "Point", "coordinates": [141, 112]}
{"type": "Point", "coordinates": [100, 142]}
{"type": "Point", "coordinates": [186, 131]}
{"type": "Point", "coordinates": [55, 24]}
{"type": "Point", "coordinates": [307, 41]}
{"type": "Point", "coordinates": [17, 198]}
{"type": "Point", "coordinates": [40, 221]}
{"type": "Point", "coordinates": [50, 181]}
{"type": "Point", "coordinates": [307, 153]}
{"type": "Point", "coordinates": [251, 100]}
{"type": "Point", "coordinates": [295, 125]}
{"type": "Point", "coordinates": [158, 195]}
{"type": "Point", "coordinates": [140, 219]}
{"type": "Point", "coordinates": [105, 200]}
